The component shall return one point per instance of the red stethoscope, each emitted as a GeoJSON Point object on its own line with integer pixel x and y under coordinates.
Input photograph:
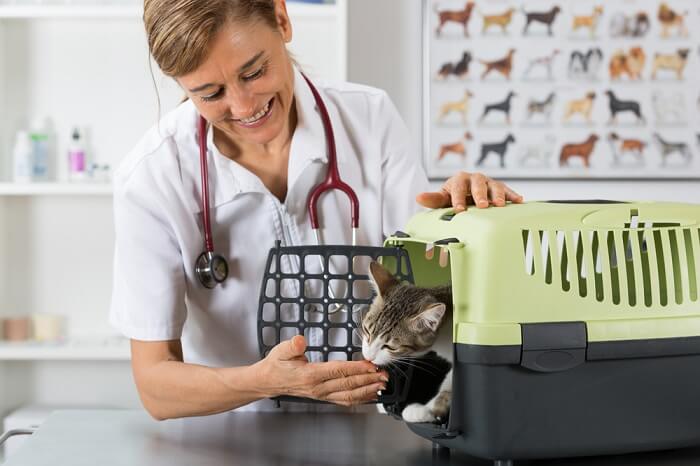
{"type": "Point", "coordinates": [211, 268]}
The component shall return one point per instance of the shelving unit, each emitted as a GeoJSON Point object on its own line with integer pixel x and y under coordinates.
{"type": "Point", "coordinates": [108, 348]}
{"type": "Point", "coordinates": [87, 65]}
{"type": "Point", "coordinates": [55, 189]}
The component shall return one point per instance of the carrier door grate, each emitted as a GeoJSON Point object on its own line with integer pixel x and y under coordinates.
{"type": "Point", "coordinates": [643, 265]}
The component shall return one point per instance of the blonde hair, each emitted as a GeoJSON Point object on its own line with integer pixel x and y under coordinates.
{"type": "Point", "coordinates": [179, 31]}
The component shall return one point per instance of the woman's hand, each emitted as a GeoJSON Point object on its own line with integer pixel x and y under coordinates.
{"type": "Point", "coordinates": [465, 188]}
{"type": "Point", "coordinates": [286, 371]}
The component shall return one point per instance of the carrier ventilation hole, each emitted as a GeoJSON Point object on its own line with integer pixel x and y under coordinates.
{"type": "Point", "coordinates": [647, 264]}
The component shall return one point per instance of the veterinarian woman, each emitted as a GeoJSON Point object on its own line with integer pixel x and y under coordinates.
{"type": "Point", "coordinates": [194, 349]}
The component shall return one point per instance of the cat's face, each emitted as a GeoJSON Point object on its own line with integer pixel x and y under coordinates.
{"type": "Point", "coordinates": [401, 322]}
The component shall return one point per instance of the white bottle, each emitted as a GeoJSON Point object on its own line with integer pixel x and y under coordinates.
{"type": "Point", "coordinates": [40, 146]}
{"type": "Point", "coordinates": [23, 158]}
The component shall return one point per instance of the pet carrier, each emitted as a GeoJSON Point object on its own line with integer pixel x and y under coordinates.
{"type": "Point", "coordinates": [576, 325]}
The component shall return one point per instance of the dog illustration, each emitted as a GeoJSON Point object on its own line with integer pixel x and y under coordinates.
{"type": "Point", "coordinates": [545, 61]}
{"type": "Point", "coordinates": [619, 147]}
{"type": "Point", "coordinates": [543, 107]}
{"type": "Point", "coordinates": [629, 26]}
{"type": "Point", "coordinates": [458, 106]}
{"type": "Point", "coordinates": [456, 16]}
{"type": "Point", "coordinates": [585, 65]}
{"type": "Point", "coordinates": [631, 64]}
{"type": "Point", "coordinates": [502, 106]}
{"type": "Point", "coordinates": [589, 22]}
{"type": "Point", "coordinates": [618, 106]}
{"type": "Point", "coordinates": [670, 19]}
{"type": "Point", "coordinates": [458, 69]}
{"type": "Point", "coordinates": [540, 153]}
{"type": "Point", "coordinates": [547, 18]}
{"type": "Point", "coordinates": [672, 62]}
{"type": "Point", "coordinates": [583, 106]}
{"type": "Point", "coordinates": [499, 148]}
{"type": "Point", "coordinates": [458, 148]}
{"type": "Point", "coordinates": [503, 65]}
{"type": "Point", "coordinates": [667, 148]}
{"type": "Point", "coordinates": [669, 107]}
{"type": "Point", "coordinates": [501, 20]}
{"type": "Point", "coordinates": [583, 150]}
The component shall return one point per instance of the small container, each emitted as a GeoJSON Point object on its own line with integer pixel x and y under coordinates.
{"type": "Point", "coordinates": [16, 329]}
{"type": "Point", "coordinates": [76, 157]}
{"type": "Point", "coordinates": [22, 158]}
{"type": "Point", "coordinates": [40, 149]}
{"type": "Point", "coordinates": [48, 327]}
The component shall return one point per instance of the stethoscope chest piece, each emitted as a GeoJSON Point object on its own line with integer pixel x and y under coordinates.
{"type": "Point", "coordinates": [211, 269]}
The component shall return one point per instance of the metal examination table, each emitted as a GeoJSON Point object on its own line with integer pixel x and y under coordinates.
{"type": "Point", "coordinates": [132, 438]}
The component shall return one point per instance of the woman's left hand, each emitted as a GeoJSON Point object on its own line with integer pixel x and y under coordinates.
{"type": "Point", "coordinates": [469, 188]}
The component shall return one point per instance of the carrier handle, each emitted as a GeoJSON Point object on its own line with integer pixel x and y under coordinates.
{"type": "Point", "coordinates": [15, 432]}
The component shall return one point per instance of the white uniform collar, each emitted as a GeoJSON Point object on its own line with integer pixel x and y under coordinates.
{"type": "Point", "coordinates": [308, 146]}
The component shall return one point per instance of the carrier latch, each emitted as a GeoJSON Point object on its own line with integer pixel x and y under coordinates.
{"type": "Point", "coordinates": [554, 346]}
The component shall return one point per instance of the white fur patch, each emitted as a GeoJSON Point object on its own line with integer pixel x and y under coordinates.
{"type": "Point", "coordinates": [417, 412]}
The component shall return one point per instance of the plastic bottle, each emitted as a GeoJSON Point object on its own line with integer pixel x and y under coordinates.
{"type": "Point", "coordinates": [23, 158]}
{"type": "Point", "coordinates": [76, 157]}
{"type": "Point", "coordinates": [40, 149]}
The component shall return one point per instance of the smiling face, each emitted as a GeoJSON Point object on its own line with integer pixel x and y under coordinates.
{"type": "Point", "coordinates": [245, 85]}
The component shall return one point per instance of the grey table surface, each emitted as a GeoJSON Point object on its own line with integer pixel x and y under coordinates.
{"type": "Point", "coordinates": [131, 437]}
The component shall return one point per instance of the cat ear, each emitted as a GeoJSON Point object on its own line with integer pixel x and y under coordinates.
{"type": "Point", "coordinates": [430, 317]}
{"type": "Point", "coordinates": [382, 280]}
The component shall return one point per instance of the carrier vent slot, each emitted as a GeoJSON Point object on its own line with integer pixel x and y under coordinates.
{"type": "Point", "coordinates": [690, 260]}
{"type": "Point", "coordinates": [528, 254]}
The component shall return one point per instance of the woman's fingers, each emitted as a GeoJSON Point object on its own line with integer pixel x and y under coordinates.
{"type": "Point", "coordinates": [349, 384]}
{"type": "Point", "coordinates": [497, 193]}
{"type": "Point", "coordinates": [356, 396]}
{"type": "Point", "coordinates": [465, 188]}
{"type": "Point", "coordinates": [479, 189]}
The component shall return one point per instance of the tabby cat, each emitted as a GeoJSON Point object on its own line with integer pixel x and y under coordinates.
{"type": "Point", "coordinates": [404, 322]}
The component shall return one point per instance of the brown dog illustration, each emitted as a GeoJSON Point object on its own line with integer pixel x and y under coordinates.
{"type": "Point", "coordinates": [673, 62]}
{"type": "Point", "coordinates": [583, 106]}
{"type": "Point", "coordinates": [670, 19]}
{"type": "Point", "coordinates": [460, 106]}
{"type": "Point", "coordinates": [622, 146]}
{"type": "Point", "coordinates": [583, 150]}
{"type": "Point", "coordinates": [631, 63]}
{"type": "Point", "coordinates": [588, 21]}
{"type": "Point", "coordinates": [456, 16]}
{"type": "Point", "coordinates": [458, 148]}
{"type": "Point", "coordinates": [501, 20]}
{"type": "Point", "coordinates": [503, 65]}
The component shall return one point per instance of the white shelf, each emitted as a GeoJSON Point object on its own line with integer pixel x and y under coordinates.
{"type": "Point", "coordinates": [56, 188]}
{"type": "Point", "coordinates": [29, 11]}
{"type": "Point", "coordinates": [76, 349]}
{"type": "Point", "coordinates": [69, 11]}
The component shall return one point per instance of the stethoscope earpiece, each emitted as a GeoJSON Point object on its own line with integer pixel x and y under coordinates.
{"type": "Point", "coordinates": [211, 269]}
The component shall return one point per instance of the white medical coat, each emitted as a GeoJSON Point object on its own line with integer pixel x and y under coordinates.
{"type": "Point", "coordinates": [159, 231]}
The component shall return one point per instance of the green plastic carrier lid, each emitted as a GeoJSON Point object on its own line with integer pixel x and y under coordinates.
{"type": "Point", "coordinates": [628, 270]}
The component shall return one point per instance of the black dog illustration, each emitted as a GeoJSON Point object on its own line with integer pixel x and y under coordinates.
{"type": "Point", "coordinates": [503, 106]}
{"type": "Point", "coordinates": [585, 65]}
{"type": "Point", "coordinates": [458, 69]}
{"type": "Point", "coordinates": [544, 17]}
{"type": "Point", "coordinates": [619, 106]}
{"type": "Point", "coordinates": [500, 148]}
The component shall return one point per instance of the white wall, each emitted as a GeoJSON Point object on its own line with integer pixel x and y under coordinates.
{"type": "Point", "coordinates": [385, 51]}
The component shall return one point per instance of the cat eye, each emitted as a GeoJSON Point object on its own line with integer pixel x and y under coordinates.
{"type": "Point", "coordinates": [387, 347]}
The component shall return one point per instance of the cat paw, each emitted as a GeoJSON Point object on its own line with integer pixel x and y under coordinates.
{"type": "Point", "coordinates": [417, 412]}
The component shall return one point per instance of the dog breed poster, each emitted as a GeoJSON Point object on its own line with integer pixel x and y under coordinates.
{"type": "Point", "coordinates": [562, 88]}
